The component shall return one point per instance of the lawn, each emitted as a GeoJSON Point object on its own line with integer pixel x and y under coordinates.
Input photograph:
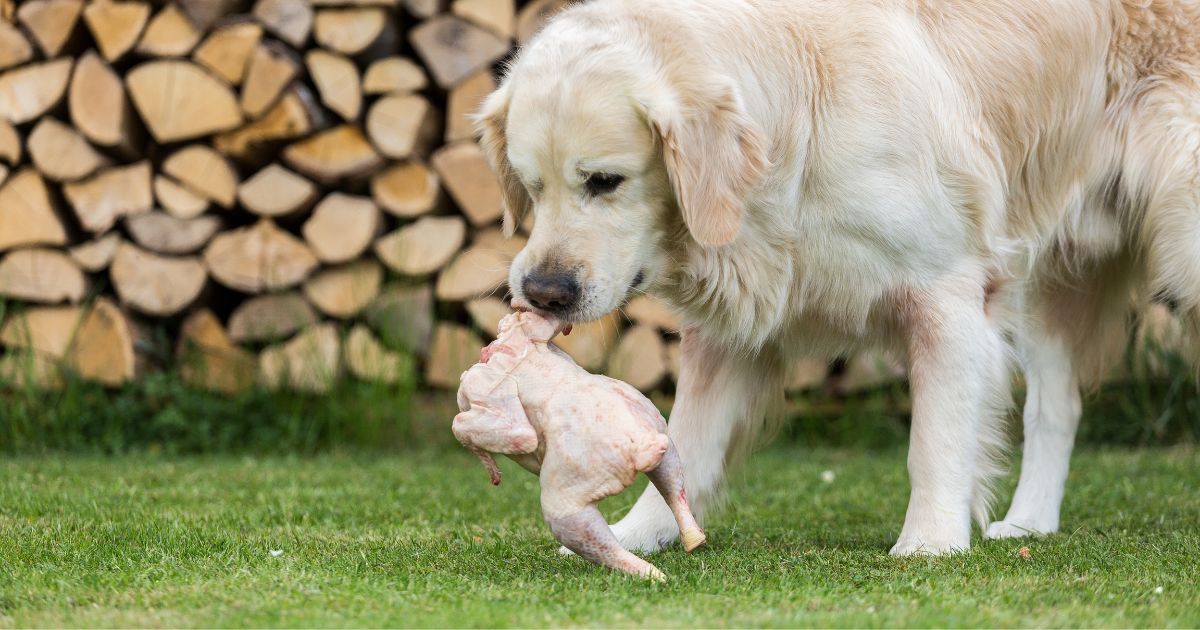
{"type": "Point", "coordinates": [421, 539]}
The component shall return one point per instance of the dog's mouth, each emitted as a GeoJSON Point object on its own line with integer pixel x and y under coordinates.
{"type": "Point", "coordinates": [572, 317]}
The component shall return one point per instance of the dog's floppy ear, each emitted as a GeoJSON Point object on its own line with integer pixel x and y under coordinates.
{"type": "Point", "coordinates": [714, 155]}
{"type": "Point", "coordinates": [490, 123]}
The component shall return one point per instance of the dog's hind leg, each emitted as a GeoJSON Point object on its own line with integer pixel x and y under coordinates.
{"type": "Point", "coordinates": [1072, 335]}
{"type": "Point", "coordinates": [1052, 409]}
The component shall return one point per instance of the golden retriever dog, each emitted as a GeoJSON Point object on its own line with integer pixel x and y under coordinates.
{"type": "Point", "coordinates": [961, 182]}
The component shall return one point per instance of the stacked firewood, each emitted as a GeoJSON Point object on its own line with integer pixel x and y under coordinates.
{"type": "Point", "coordinates": [291, 189]}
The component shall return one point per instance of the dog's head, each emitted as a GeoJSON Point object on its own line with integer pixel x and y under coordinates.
{"type": "Point", "coordinates": [618, 153]}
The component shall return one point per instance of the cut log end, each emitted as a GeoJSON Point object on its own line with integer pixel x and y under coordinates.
{"type": "Point", "coordinates": [44, 276]}
{"type": "Point", "coordinates": [259, 258]}
{"type": "Point", "coordinates": [342, 227]}
{"type": "Point", "coordinates": [309, 363]}
{"type": "Point", "coordinates": [156, 285]}
{"type": "Point", "coordinates": [103, 349]}
{"type": "Point", "coordinates": [178, 100]}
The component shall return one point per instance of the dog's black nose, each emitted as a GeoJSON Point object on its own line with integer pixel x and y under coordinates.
{"type": "Point", "coordinates": [554, 292]}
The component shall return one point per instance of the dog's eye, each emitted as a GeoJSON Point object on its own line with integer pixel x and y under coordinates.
{"type": "Point", "coordinates": [602, 183]}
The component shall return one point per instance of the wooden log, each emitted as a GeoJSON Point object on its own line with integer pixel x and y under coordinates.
{"type": "Point", "coordinates": [497, 16]}
{"type": "Point", "coordinates": [27, 213]}
{"type": "Point", "coordinates": [534, 15]}
{"type": "Point", "coordinates": [494, 239]}
{"type": "Point", "coordinates": [466, 175]}
{"type": "Point", "coordinates": [1159, 335]}
{"type": "Point", "coordinates": [454, 349]}
{"type": "Point", "coordinates": [95, 256]}
{"type": "Point", "coordinates": [60, 153]}
{"type": "Point", "coordinates": [109, 195]}
{"type": "Point", "coordinates": [205, 13]}
{"type": "Point", "coordinates": [350, 31]}
{"type": "Point", "coordinates": [46, 330]}
{"type": "Point", "coordinates": [344, 291]}
{"type": "Point", "coordinates": [803, 375]}
{"type": "Point", "coordinates": [335, 154]}
{"type": "Point", "coordinates": [275, 191]}
{"type": "Point", "coordinates": [210, 360]}
{"type": "Point", "coordinates": [204, 171]}
{"type": "Point", "coordinates": [454, 49]}
{"type": "Point", "coordinates": [590, 343]}
{"type": "Point", "coordinates": [103, 349]}
{"type": "Point", "coordinates": [45, 276]}
{"type": "Point", "coordinates": [272, 68]}
{"type": "Point", "coordinates": [116, 26]}
{"type": "Point", "coordinates": [295, 115]}
{"type": "Point", "coordinates": [15, 50]}
{"type": "Point", "coordinates": [640, 358]}
{"type": "Point", "coordinates": [179, 100]}
{"type": "Point", "coordinates": [289, 20]}
{"type": "Point", "coordinates": [336, 78]}
{"type": "Point", "coordinates": [10, 143]}
{"type": "Point", "coordinates": [394, 75]}
{"type": "Point", "coordinates": [422, 247]}
{"type": "Point", "coordinates": [21, 369]}
{"type": "Point", "coordinates": [271, 317]}
{"type": "Point", "coordinates": [464, 102]}
{"type": "Point", "coordinates": [259, 258]}
{"type": "Point", "coordinates": [651, 311]}
{"type": "Point", "coordinates": [407, 190]}
{"type": "Point", "coordinates": [50, 22]}
{"type": "Point", "coordinates": [98, 107]}
{"type": "Point", "coordinates": [476, 272]}
{"type": "Point", "coordinates": [354, 3]}
{"type": "Point", "coordinates": [865, 371]}
{"type": "Point", "coordinates": [424, 8]}
{"type": "Point", "coordinates": [30, 91]}
{"type": "Point", "coordinates": [342, 227]}
{"type": "Point", "coordinates": [162, 233]}
{"type": "Point", "coordinates": [156, 285]}
{"type": "Point", "coordinates": [309, 363]}
{"type": "Point", "coordinates": [226, 51]}
{"type": "Point", "coordinates": [170, 34]}
{"type": "Point", "coordinates": [402, 125]}
{"type": "Point", "coordinates": [177, 199]}
{"type": "Point", "coordinates": [486, 313]}
{"type": "Point", "coordinates": [403, 318]}
{"type": "Point", "coordinates": [368, 360]}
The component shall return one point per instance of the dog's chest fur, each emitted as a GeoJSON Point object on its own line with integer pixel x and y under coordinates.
{"type": "Point", "coordinates": [819, 278]}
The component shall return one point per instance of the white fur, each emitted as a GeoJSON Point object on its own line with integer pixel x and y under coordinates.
{"type": "Point", "coordinates": [807, 178]}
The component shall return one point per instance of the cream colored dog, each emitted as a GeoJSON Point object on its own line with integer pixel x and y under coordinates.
{"type": "Point", "coordinates": [808, 178]}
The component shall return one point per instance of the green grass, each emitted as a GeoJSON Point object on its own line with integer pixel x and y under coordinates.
{"type": "Point", "coordinates": [421, 539]}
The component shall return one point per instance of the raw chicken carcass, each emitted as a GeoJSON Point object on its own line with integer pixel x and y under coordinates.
{"type": "Point", "coordinates": [586, 435]}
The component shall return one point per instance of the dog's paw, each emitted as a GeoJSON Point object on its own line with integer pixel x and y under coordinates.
{"type": "Point", "coordinates": [1006, 529]}
{"type": "Point", "coordinates": [641, 535]}
{"type": "Point", "coordinates": [911, 546]}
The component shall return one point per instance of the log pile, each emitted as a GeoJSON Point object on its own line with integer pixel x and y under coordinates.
{"type": "Point", "coordinates": [287, 192]}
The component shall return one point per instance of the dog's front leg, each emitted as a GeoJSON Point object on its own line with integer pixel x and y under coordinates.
{"type": "Point", "coordinates": [959, 383]}
{"type": "Point", "coordinates": [719, 404]}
